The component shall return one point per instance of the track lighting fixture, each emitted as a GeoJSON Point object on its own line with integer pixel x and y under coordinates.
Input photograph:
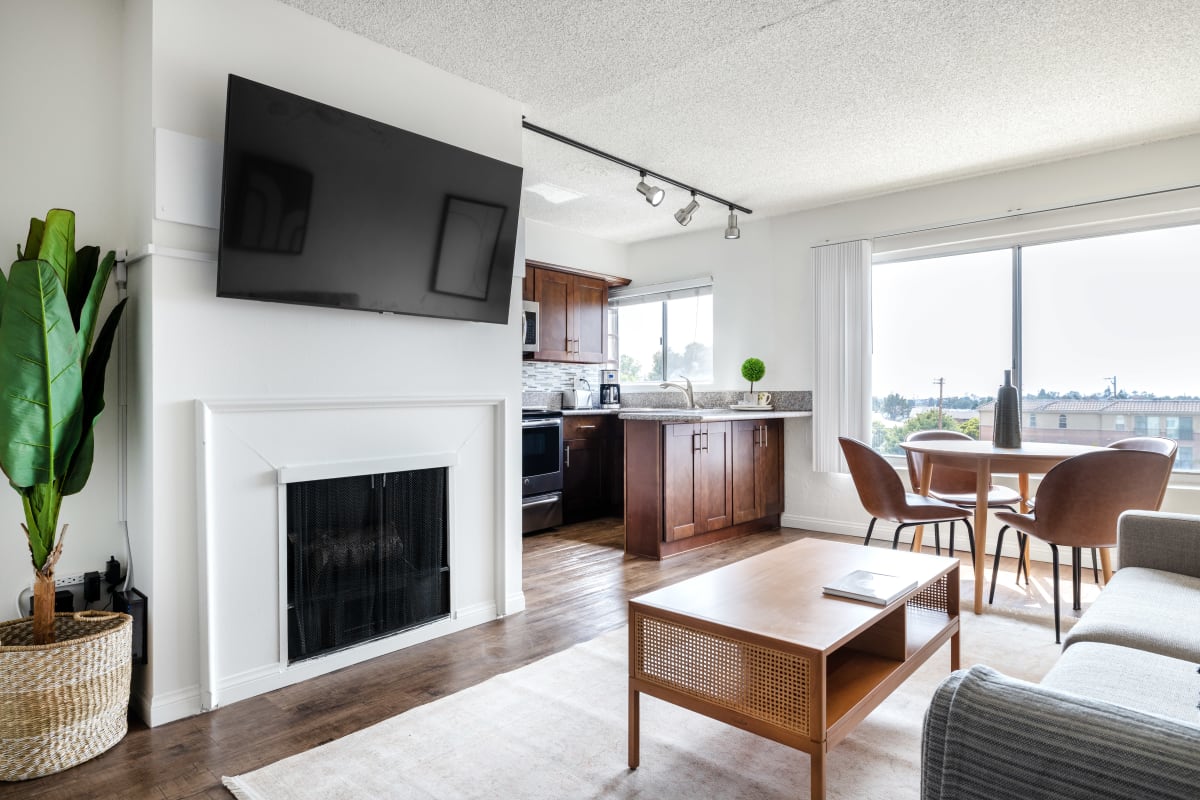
{"type": "Point", "coordinates": [684, 215]}
{"type": "Point", "coordinates": [653, 194]}
{"type": "Point", "coordinates": [731, 230]}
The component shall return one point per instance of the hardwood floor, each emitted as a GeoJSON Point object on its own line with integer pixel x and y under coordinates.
{"type": "Point", "coordinates": [577, 582]}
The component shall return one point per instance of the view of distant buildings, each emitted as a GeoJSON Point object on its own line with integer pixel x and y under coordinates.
{"type": "Point", "coordinates": [1102, 422]}
{"type": "Point", "coordinates": [1092, 421]}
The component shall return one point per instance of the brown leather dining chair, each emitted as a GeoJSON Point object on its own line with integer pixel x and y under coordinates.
{"type": "Point", "coordinates": [883, 495]}
{"type": "Point", "coordinates": [1145, 444]}
{"type": "Point", "coordinates": [1078, 503]}
{"type": "Point", "coordinates": [954, 486]}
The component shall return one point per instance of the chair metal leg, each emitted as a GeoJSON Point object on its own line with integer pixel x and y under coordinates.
{"type": "Point", "coordinates": [970, 538]}
{"type": "Point", "coordinates": [937, 538]}
{"type": "Point", "coordinates": [1057, 624]}
{"type": "Point", "coordinates": [952, 538]}
{"type": "Point", "coordinates": [896, 536]}
{"type": "Point", "coordinates": [1076, 577]}
{"type": "Point", "coordinates": [870, 528]}
{"type": "Point", "coordinates": [1021, 541]}
{"type": "Point", "coordinates": [1095, 572]}
{"type": "Point", "coordinates": [996, 563]}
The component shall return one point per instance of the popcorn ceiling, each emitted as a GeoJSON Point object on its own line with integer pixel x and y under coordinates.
{"type": "Point", "coordinates": [780, 105]}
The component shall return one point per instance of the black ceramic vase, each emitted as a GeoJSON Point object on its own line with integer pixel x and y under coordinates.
{"type": "Point", "coordinates": [1006, 432]}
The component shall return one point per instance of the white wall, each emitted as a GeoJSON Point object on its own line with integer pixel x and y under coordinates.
{"type": "Point", "coordinates": [199, 346]}
{"type": "Point", "coordinates": [763, 281]}
{"type": "Point", "coordinates": [60, 147]}
{"type": "Point", "coordinates": [553, 245]}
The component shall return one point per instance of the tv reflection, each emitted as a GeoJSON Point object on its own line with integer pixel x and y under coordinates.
{"type": "Point", "coordinates": [270, 201]}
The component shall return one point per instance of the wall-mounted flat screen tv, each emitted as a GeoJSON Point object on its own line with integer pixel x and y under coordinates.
{"type": "Point", "coordinates": [323, 207]}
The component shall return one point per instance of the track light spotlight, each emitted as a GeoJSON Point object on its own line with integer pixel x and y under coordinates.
{"type": "Point", "coordinates": [731, 230]}
{"type": "Point", "coordinates": [684, 215]}
{"type": "Point", "coordinates": [653, 194]}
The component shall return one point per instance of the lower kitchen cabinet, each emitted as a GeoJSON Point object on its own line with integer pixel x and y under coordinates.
{"type": "Point", "coordinates": [589, 442]}
{"type": "Point", "coordinates": [692, 484]}
{"type": "Point", "coordinates": [757, 469]}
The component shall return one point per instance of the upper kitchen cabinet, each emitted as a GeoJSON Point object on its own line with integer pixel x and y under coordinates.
{"type": "Point", "coordinates": [572, 313]}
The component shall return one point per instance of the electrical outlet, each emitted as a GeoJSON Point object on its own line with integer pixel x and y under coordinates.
{"type": "Point", "coordinates": [62, 581]}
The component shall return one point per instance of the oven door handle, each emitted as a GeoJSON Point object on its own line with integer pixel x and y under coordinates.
{"type": "Point", "coordinates": [543, 502]}
{"type": "Point", "coordinates": [541, 423]}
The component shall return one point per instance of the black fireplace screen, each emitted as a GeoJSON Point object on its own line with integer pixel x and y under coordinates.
{"type": "Point", "coordinates": [366, 558]}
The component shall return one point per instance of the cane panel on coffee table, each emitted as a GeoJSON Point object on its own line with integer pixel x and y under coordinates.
{"type": "Point", "coordinates": [757, 645]}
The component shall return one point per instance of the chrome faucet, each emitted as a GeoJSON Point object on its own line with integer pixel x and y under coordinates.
{"type": "Point", "coordinates": [691, 402]}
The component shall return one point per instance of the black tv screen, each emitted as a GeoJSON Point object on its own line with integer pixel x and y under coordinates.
{"type": "Point", "coordinates": [323, 207]}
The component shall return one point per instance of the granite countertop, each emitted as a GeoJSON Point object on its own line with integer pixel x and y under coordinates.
{"type": "Point", "coordinates": [682, 414]}
{"type": "Point", "coordinates": [705, 415]}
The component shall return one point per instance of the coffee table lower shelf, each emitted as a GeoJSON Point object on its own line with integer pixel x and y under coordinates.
{"type": "Point", "coordinates": [784, 691]}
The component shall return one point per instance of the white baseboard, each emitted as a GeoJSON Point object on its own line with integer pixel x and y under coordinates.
{"type": "Point", "coordinates": [167, 706]}
{"type": "Point", "coordinates": [514, 604]}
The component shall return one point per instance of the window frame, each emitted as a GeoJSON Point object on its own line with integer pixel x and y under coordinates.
{"type": "Point", "coordinates": [661, 293]}
{"type": "Point", "coordinates": [1016, 245]}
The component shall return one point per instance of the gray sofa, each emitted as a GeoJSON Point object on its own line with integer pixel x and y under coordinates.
{"type": "Point", "coordinates": [1118, 716]}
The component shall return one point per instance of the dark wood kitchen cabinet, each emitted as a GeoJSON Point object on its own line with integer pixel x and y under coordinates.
{"type": "Point", "coordinates": [573, 313]}
{"type": "Point", "coordinates": [589, 443]}
{"type": "Point", "coordinates": [688, 484]}
{"type": "Point", "coordinates": [696, 468]}
{"type": "Point", "coordinates": [757, 469]}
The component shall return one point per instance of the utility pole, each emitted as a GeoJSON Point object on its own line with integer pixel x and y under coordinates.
{"type": "Point", "coordinates": [941, 384]}
{"type": "Point", "coordinates": [1113, 381]}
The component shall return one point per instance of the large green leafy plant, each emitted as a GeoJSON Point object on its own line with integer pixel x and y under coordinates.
{"type": "Point", "coordinates": [52, 365]}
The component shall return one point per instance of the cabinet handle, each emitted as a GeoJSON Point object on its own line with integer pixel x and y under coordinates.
{"type": "Point", "coordinates": [695, 442]}
{"type": "Point", "coordinates": [705, 440]}
{"type": "Point", "coordinates": [567, 454]}
{"type": "Point", "coordinates": [757, 433]}
{"type": "Point", "coordinates": [584, 427]}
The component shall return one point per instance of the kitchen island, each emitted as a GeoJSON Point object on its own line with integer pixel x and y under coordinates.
{"type": "Point", "coordinates": [694, 477]}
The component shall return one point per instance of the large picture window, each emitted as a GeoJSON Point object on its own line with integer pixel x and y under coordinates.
{"type": "Point", "coordinates": [1094, 329]}
{"type": "Point", "coordinates": [664, 332]}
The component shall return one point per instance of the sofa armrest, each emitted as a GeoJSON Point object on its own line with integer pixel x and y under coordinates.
{"type": "Point", "coordinates": [1168, 542]}
{"type": "Point", "coordinates": [988, 735]}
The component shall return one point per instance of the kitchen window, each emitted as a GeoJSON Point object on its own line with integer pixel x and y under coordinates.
{"type": "Point", "coordinates": [663, 331]}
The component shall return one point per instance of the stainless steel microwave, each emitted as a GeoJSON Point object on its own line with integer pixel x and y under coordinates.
{"type": "Point", "coordinates": [529, 327]}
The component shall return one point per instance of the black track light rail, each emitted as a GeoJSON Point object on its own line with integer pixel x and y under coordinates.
{"type": "Point", "coordinates": [558, 137]}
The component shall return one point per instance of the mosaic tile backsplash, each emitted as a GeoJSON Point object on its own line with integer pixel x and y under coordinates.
{"type": "Point", "coordinates": [544, 381]}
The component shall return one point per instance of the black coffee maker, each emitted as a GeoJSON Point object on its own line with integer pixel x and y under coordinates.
{"type": "Point", "coordinates": [610, 390]}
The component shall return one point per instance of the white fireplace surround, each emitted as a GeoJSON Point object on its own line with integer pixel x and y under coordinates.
{"type": "Point", "coordinates": [249, 449]}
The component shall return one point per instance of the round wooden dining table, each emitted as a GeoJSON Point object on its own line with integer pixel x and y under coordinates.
{"type": "Point", "coordinates": [986, 459]}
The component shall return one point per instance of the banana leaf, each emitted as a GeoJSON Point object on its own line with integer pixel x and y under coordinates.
{"type": "Point", "coordinates": [86, 259]}
{"type": "Point", "coordinates": [42, 503]}
{"type": "Point", "coordinates": [90, 309]}
{"type": "Point", "coordinates": [93, 402]}
{"type": "Point", "coordinates": [58, 244]}
{"type": "Point", "coordinates": [34, 242]}
{"type": "Point", "coordinates": [41, 378]}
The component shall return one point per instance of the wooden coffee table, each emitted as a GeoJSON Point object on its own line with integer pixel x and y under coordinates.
{"type": "Point", "coordinates": [757, 645]}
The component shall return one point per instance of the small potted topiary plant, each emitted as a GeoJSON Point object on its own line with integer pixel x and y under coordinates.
{"type": "Point", "coordinates": [753, 370]}
{"type": "Point", "coordinates": [66, 675]}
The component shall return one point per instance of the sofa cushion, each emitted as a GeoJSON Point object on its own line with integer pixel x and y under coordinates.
{"type": "Point", "coordinates": [1134, 678]}
{"type": "Point", "coordinates": [1146, 609]}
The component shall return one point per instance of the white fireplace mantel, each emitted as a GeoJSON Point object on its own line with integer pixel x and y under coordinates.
{"type": "Point", "coordinates": [248, 448]}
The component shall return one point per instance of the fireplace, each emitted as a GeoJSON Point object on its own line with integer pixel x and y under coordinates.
{"type": "Point", "coordinates": [366, 557]}
{"type": "Point", "coordinates": [254, 456]}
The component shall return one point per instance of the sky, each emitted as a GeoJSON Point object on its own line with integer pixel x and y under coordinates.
{"type": "Point", "coordinates": [1126, 305]}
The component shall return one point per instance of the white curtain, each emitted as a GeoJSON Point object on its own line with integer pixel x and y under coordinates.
{"type": "Point", "coordinates": [842, 391]}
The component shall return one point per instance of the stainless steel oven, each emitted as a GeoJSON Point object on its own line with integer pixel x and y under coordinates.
{"type": "Point", "coordinates": [541, 469]}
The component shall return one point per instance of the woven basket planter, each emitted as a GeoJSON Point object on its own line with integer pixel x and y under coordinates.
{"type": "Point", "coordinates": [63, 703]}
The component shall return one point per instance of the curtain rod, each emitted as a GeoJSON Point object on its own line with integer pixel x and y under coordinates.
{"type": "Point", "coordinates": [558, 137]}
{"type": "Point", "coordinates": [1038, 211]}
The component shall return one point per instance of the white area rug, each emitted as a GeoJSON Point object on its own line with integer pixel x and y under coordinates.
{"type": "Point", "coordinates": [557, 729]}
